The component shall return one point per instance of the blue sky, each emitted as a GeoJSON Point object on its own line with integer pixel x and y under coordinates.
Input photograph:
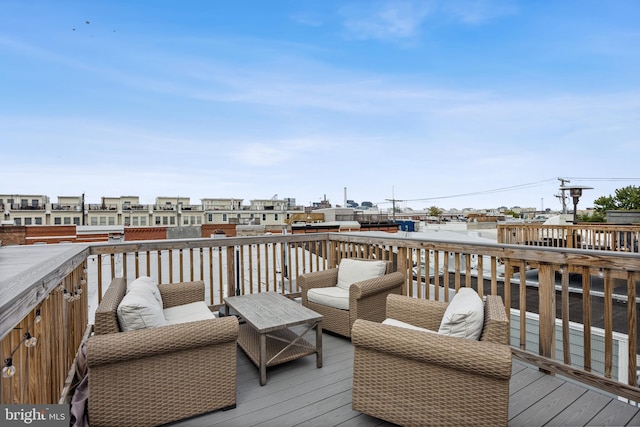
{"type": "Point", "coordinates": [440, 103]}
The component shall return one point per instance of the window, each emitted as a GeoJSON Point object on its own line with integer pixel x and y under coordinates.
{"type": "Point", "coordinates": [224, 217]}
{"type": "Point", "coordinates": [94, 220]}
{"type": "Point", "coordinates": [18, 221]}
{"type": "Point", "coordinates": [112, 220]}
{"type": "Point", "coordinates": [135, 220]}
{"type": "Point", "coordinates": [264, 217]}
{"type": "Point", "coordinates": [103, 220]}
{"type": "Point", "coordinates": [143, 220]}
{"type": "Point", "coordinates": [67, 220]}
{"type": "Point", "coordinates": [193, 219]}
{"type": "Point", "coordinates": [172, 220]}
{"type": "Point", "coordinates": [185, 220]}
{"type": "Point", "coordinates": [210, 217]}
{"type": "Point", "coordinates": [158, 220]}
{"type": "Point", "coordinates": [24, 203]}
{"type": "Point", "coordinates": [275, 216]}
{"type": "Point", "coordinates": [76, 221]}
{"type": "Point", "coordinates": [58, 221]}
{"type": "Point", "coordinates": [38, 221]}
{"type": "Point", "coordinates": [199, 220]}
{"type": "Point", "coordinates": [27, 221]}
{"type": "Point", "coordinates": [165, 220]}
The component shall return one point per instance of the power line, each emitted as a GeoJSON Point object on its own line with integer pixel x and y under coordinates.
{"type": "Point", "coordinates": [478, 193]}
{"type": "Point", "coordinates": [510, 188]}
{"type": "Point", "coordinates": [605, 179]}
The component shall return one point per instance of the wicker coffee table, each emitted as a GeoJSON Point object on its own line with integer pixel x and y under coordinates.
{"type": "Point", "coordinates": [266, 335]}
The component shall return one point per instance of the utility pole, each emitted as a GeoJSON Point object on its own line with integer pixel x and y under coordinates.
{"type": "Point", "coordinates": [564, 199]}
{"type": "Point", "coordinates": [393, 201]}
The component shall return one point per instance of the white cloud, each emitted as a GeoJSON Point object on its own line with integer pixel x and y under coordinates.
{"type": "Point", "coordinates": [389, 20]}
{"type": "Point", "coordinates": [403, 20]}
{"type": "Point", "coordinates": [478, 11]}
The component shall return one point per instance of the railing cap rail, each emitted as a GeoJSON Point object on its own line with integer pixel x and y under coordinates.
{"type": "Point", "coordinates": [23, 285]}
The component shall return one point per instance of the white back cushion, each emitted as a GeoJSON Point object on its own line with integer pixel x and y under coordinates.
{"type": "Point", "coordinates": [464, 316]}
{"type": "Point", "coordinates": [148, 283]}
{"type": "Point", "coordinates": [139, 309]}
{"type": "Point", "coordinates": [354, 270]}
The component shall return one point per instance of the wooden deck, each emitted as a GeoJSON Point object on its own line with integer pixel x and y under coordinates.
{"type": "Point", "coordinates": [299, 394]}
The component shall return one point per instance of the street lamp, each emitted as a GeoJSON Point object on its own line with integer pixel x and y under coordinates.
{"type": "Point", "coordinates": [575, 191]}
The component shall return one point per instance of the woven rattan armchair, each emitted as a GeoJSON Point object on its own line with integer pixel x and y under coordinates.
{"type": "Point", "coordinates": [417, 378]}
{"type": "Point", "coordinates": [367, 299]}
{"type": "Point", "coordinates": [159, 375]}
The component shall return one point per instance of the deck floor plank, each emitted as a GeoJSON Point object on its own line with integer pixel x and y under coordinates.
{"type": "Point", "coordinates": [582, 410]}
{"type": "Point", "coordinates": [339, 416]}
{"type": "Point", "coordinates": [635, 421]}
{"type": "Point", "coordinates": [299, 394]}
{"type": "Point", "coordinates": [616, 413]}
{"type": "Point", "coordinates": [549, 406]}
{"type": "Point", "coordinates": [529, 396]}
{"type": "Point", "coordinates": [523, 378]}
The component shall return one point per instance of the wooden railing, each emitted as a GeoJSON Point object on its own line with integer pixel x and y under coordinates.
{"type": "Point", "coordinates": [561, 289]}
{"type": "Point", "coordinates": [55, 314]}
{"type": "Point", "coordinates": [611, 237]}
{"type": "Point", "coordinates": [227, 266]}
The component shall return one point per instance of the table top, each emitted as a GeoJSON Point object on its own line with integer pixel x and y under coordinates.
{"type": "Point", "coordinates": [270, 311]}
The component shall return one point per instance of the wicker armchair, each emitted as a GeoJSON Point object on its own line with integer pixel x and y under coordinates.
{"type": "Point", "coordinates": [413, 378]}
{"type": "Point", "coordinates": [159, 375]}
{"type": "Point", "coordinates": [367, 299]}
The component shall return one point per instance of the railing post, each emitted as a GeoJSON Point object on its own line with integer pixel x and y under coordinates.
{"type": "Point", "coordinates": [331, 249]}
{"type": "Point", "coordinates": [402, 267]}
{"type": "Point", "coordinates": [547, 310]}
{"type": "Point", "coordinates": [231, 274]}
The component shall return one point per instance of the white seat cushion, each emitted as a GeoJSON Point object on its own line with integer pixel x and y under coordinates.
{"type": "Point", "coordinates": [139, 309]}
{"type": "Point", "coordinates": [187, 313]}
{"type": "Point", "coordinates": [149, 283]}
{"type": "Point", "coordinates": [332, 296]}
{"type": "Point", "coordinates": [400, 324]}
{"type": "Point", "coordinates": [354, 270]}
{"type": "Point", "coordinates": [464, 316]}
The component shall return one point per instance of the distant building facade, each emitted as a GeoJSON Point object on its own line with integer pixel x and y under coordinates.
{"type": "Point", "coordinates": [127, 211]}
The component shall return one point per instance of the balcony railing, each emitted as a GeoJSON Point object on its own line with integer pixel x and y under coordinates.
{"type": "Point", "coordinates": [610, 237]}
{"type": "Point", "coordinates": [553, 294]}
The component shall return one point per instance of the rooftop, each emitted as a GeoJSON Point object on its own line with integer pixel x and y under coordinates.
{"type": "Point", "coordinates": [297, 393]}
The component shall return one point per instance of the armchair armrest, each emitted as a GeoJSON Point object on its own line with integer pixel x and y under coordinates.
{"type": "Point", "coordinates": [418, 312]}
{"type": "Point", "coordinates": [119, 347]}
{"type": "Point", "coordinates": [318, 279]}
{"type": "Point", "coordinates": [477, 357]}
{"type": "Point", "coordinates": [181, 293]}
{"type": "Point", "coordinates": [377, 285]}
